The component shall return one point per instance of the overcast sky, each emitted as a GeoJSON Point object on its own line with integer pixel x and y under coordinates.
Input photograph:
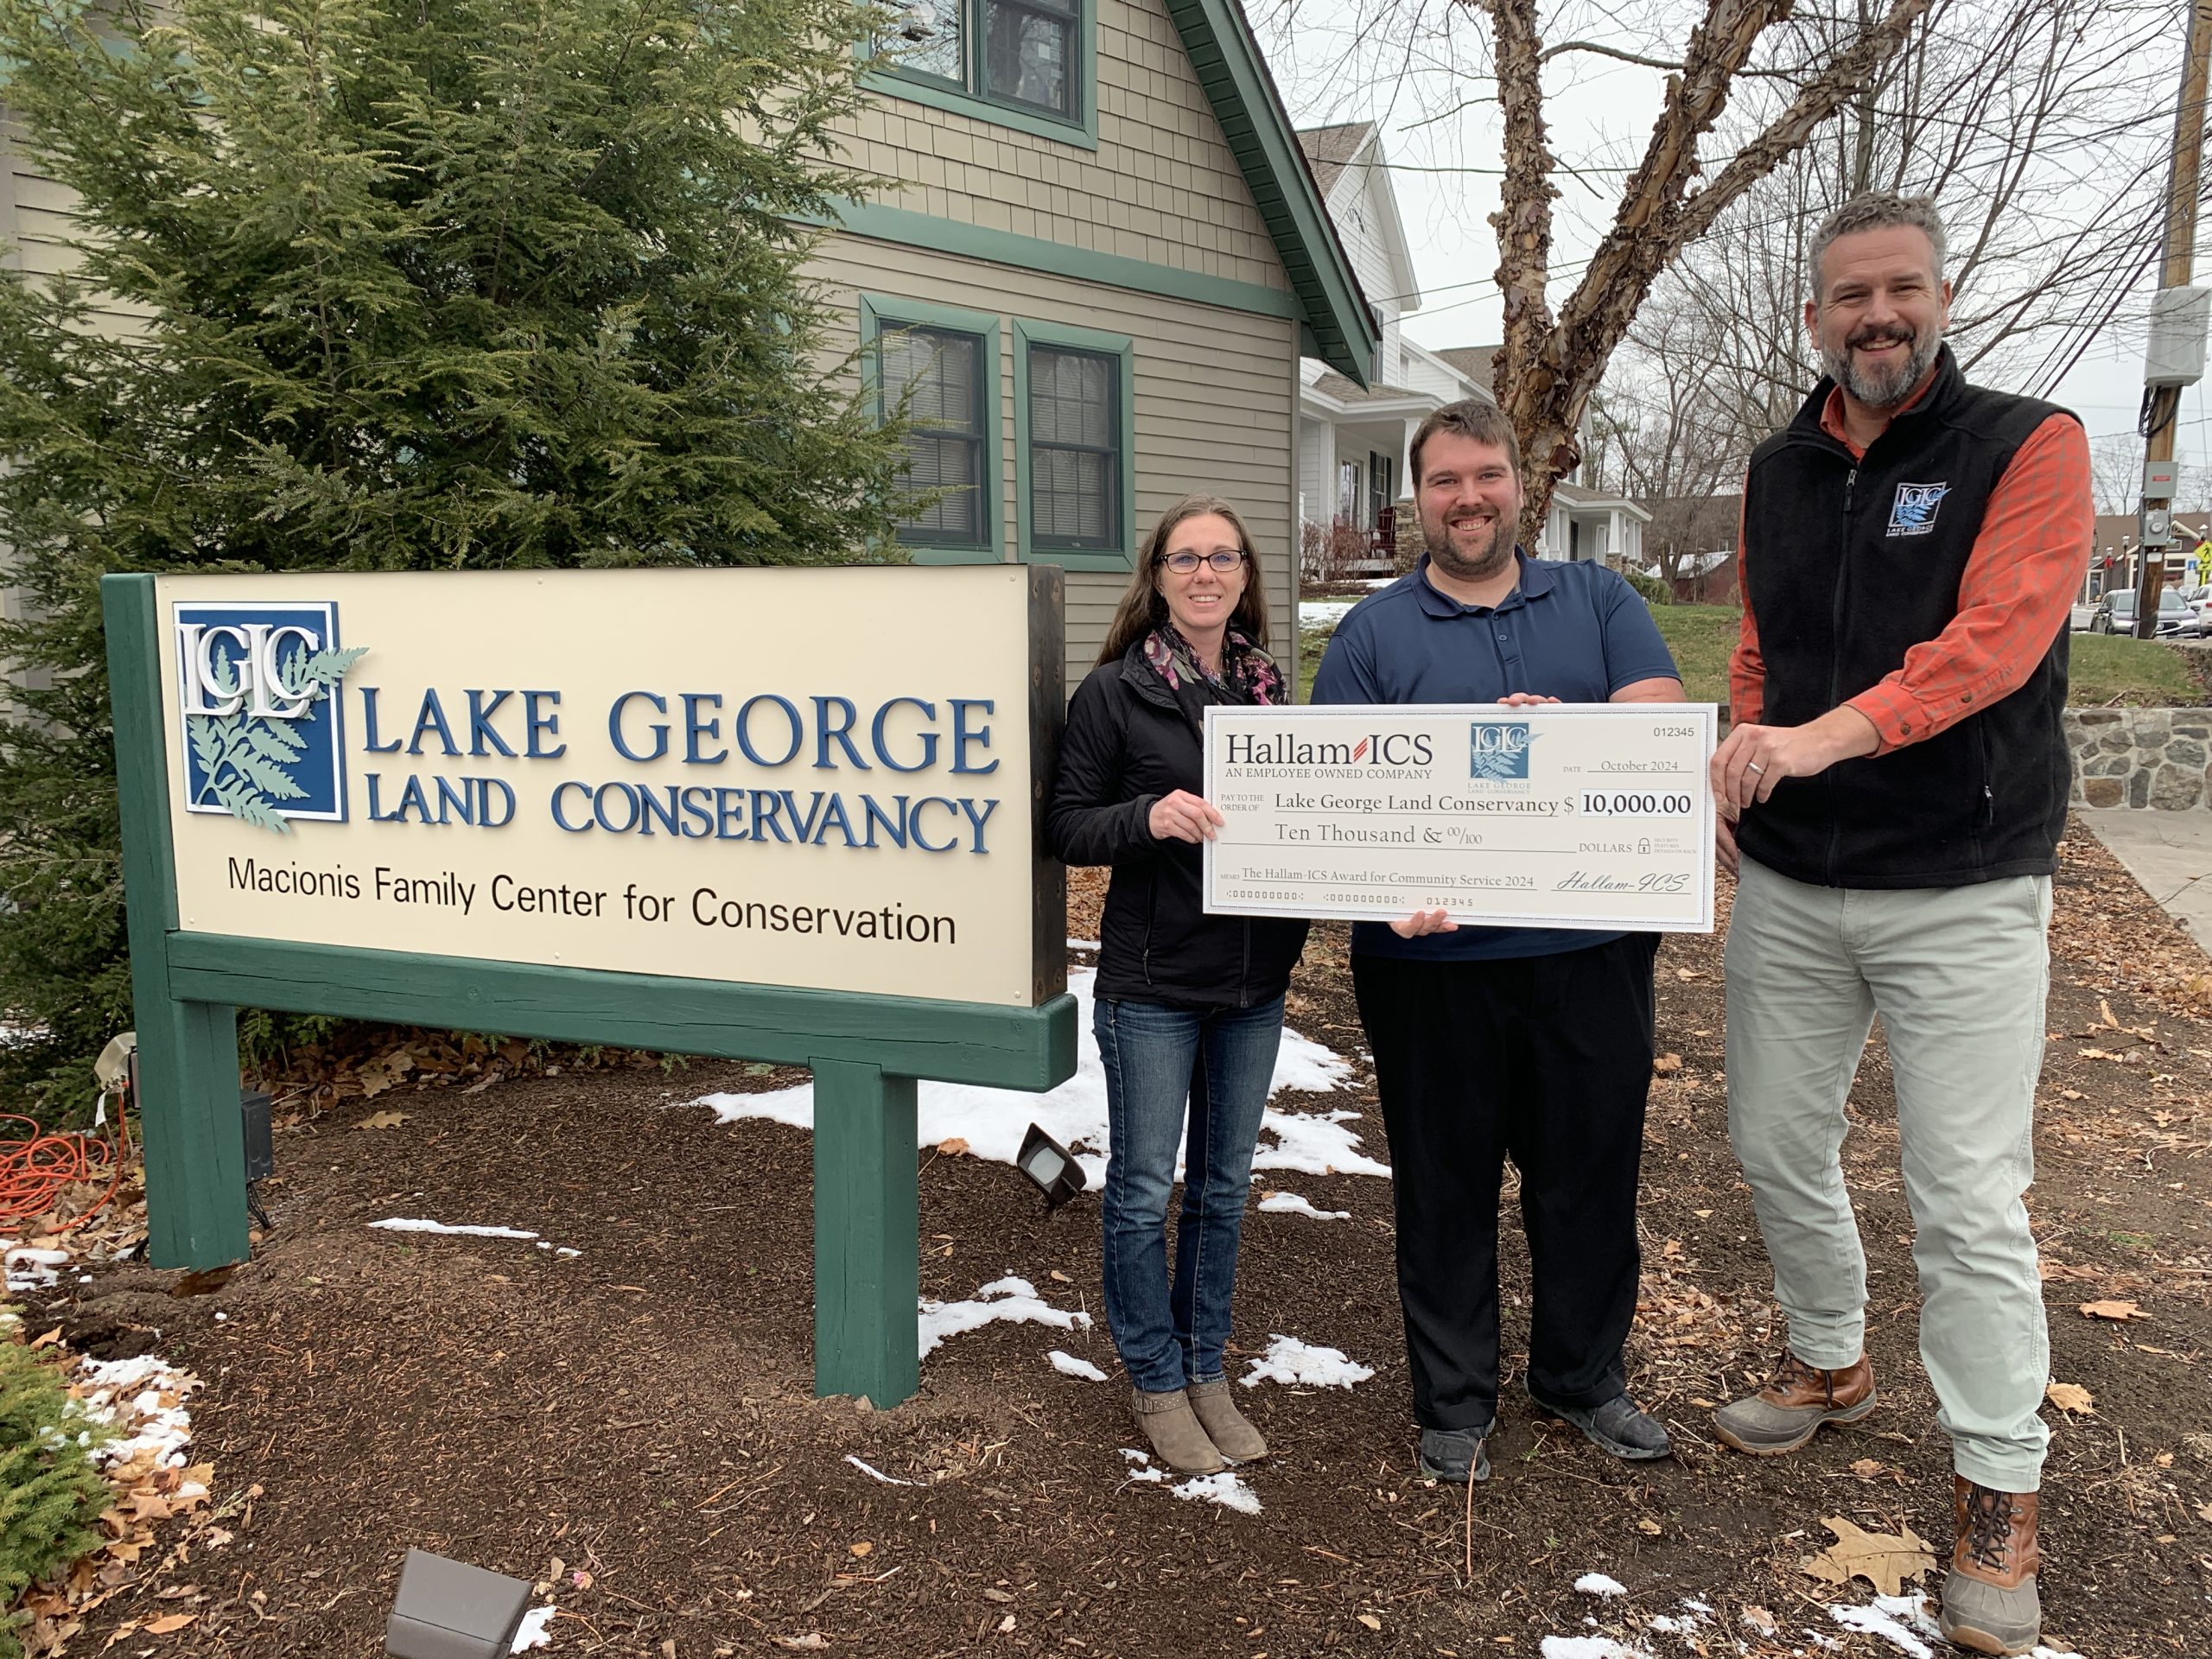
{"type": "Point", "coordinates": [1444, 173]}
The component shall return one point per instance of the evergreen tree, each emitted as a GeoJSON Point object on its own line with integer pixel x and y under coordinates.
{"type": "Point", "coordinates": [394, 284]}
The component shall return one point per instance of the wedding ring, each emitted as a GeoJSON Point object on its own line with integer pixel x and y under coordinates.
{"type": "Point", "coordinates": [1755, 766]}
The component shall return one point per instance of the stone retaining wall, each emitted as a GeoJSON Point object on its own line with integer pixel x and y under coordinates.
{"type": "Point", "coordinates": [2158, 758]}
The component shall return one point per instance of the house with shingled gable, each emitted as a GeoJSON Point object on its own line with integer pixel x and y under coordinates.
{"type": "Point", "coordinates": [1093, 264]}
{"type": "Point", "coordinates": [1355, 441]}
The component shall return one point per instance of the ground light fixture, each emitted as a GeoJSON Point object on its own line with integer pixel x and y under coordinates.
{"type": "Point", "coordinates": [1050, 1166]}
{"type": "Point", "coordinates": [450, 1610]}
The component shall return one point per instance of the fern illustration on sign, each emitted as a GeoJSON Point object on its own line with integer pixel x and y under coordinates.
{"type": "Point", "coordinates": [1498, 752]}
{"type": "Point", "coordinates": [246, 761]}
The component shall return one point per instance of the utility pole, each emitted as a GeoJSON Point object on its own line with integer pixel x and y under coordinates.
{"type": "Point", "coordinates": [2175, 356]}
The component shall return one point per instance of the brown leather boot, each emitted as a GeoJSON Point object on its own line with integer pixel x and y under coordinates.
{"type": "Point", "coordinates": [1990, 1604]}
{"type": "Point", "coordinates": [1796, 1400]}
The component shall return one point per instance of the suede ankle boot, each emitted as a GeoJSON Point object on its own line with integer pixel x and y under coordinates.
{"type": "Point", "coordinates": [1232, 1435]}
{"type": "Point", "coordinates": [1174, 1429]}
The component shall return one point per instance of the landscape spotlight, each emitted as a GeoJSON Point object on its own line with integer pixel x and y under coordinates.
{"type": "Point", "coordinates": [1050, 1166]}
{"type": "Point", "coordinates": [450, 1610]}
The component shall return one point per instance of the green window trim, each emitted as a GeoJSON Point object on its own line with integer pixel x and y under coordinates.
{"type": "Point", "coordinates": [1079, 128]}
{"type": "Point", "coordinates": [882, 311]}
{"type": "Point", "coordinates": [1027, 334]}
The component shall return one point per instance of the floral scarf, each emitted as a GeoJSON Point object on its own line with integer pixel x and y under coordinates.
{"type": "Point", "coordinates": [1248, 674]}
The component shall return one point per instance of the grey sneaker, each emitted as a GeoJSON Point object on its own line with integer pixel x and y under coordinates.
{"type": "Point", "coordinates": [1616, 1427]}
{"type": "Point", "coordinates": [1456, 1455]}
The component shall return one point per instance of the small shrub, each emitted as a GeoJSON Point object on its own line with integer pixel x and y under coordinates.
{"type": "Point", "coordinates": [1655, 589]}
{"type": "Point", "coordinates": [51, 1491]}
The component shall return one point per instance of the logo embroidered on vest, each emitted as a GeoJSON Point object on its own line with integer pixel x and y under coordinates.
{"type": "Point", "coordinates": [1913, 513]}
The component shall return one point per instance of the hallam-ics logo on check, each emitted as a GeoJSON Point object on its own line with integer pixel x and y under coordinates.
{"type": "Point", "coordinates": [1498, 749]}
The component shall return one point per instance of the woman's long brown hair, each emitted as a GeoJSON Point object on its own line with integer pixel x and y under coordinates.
{"type": "Point", "coordinates": [1144, 607]}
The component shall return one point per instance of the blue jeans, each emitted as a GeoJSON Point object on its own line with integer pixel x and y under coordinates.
{"type": "Point", "coordinates": [1156, 1059]}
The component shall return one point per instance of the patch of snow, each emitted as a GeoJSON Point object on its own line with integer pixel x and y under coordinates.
{"type": "Point", "coordinates": [533, 1632]}
{"type": "Point", "coordinates": [1589, 1647]}
{"type": "Point", "coordinates": [1069, 1365]}
{"type": "Point", "coordinates": [1323, 612]}
{"type": "Point", "coordinates": [30, 1270]}
{"type": "Point", "coordinates": [1135, 1456]}
{"type": "Point", "coordinates": [565, 1250]}
{"type": "Point", "coordinates": [1224, 1489]}
{"type": "Point", "coordinates": [142, 1399]}
{"type": "Point", "coordinates": [1697, 1606]}
{"type": "Point", "coordinates": [1873, 1621]}
{"type": "Point", "coordinates": [870, 1469]}
{"type": "Point", "coordinates": [1297, 1364]}
{"type": "Point", "coordinates": [1597, 1584]}
{"type": "Point", "coordinates": [1290, 1203]}
{"type": "Point", "coordinates": [405, 1224]}
{"type": "Point", "coordinates": [1011, 1300]}
{"type": "Point", "coordinates": [1146, 1473]}
{"type": "Point", "coordinates": [1666, 1625]}
{"type": "Point", "coordinates": [1083, 944]}
{"type": "Point", "coordinates": [992, 1121]}
{"type": "Point", "coordinates": [1313, 1143]}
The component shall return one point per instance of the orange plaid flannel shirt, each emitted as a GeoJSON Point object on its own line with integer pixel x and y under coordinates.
{"type": "Point", "coordinates": [2027, 564]}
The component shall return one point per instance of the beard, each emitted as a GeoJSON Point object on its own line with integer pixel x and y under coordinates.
{"type": "Point", "coordinates": [1484, 564]}
{"type": "Point", "coordinates": [1875, 388]}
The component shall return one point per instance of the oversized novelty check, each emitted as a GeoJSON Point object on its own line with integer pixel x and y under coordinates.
{"type": "Point", "coordinates": [1569, 815]}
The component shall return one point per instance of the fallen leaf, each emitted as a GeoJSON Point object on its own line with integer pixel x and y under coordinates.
{"type": "Point", "coordinates": [2071, 1396]}
{"type": "Point", "coordinates": [1370, 1621]}
{"type": "Point", "coordinates": [2072, 1094]}
{"type": "Point", "coordinates": [953, 1147]}
{"type": "Point", "coordinates": [1667, 1065]}
{"type": "Point", "coordinates": [1061, 1277]}
{"type": "Point", "coordinates": [863, 1547]}
{"type": "Point", "coordinates": [1883, 1559]}
{"type": "Point", "coordinates": [1759, 1619]}
{"type": "Point", "coordinates": [50, 1338]}
{"type": "Point", "coordinates": [2105, 1008]}
{"type": "Point", "coordinates": [1689, 973]}
{"type": "Point", "coordinates": [382, 1121]}
{"type": "Point", "coordinates": [2121, 1311]}
{"type": "Point", "coordinates": [2204, 1511]}
{"type": "Point", "coordinates": [1647, 1524]}
{"type": "Point", "coordinates": [1867, 1468]}
{"type": "Point", "coordinates": [1006, 1625]}
{"type": "Point", "coordinates": [172, 1625]}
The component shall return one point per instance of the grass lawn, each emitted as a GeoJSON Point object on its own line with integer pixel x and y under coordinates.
{"type": "Point", "coordinates": [2106, 671]}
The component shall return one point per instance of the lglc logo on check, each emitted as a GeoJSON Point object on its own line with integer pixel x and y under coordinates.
{"type": "Point", "coordinates": [1499, 750]}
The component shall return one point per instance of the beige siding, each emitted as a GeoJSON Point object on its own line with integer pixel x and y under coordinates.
{"type": "Point", "coordinates": [1215, 394]}
{"type": "Point", "coordinates": [1161, 187]}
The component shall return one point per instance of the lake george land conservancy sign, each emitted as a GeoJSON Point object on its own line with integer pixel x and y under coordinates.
{"type": "Point", "coordinates": [805, 778]}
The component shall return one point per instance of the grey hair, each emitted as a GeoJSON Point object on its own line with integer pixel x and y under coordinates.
{"type": "Point", "coordinates": [1877, 210]}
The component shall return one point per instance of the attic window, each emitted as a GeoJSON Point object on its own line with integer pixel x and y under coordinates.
{"type": "Point", "coordinates": [1020, 56]}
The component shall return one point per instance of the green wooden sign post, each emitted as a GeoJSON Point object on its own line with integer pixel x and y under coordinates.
{"type": "Point", "coordinates": [866, 1051]}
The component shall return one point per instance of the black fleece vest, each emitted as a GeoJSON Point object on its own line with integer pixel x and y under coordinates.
{"type": "Point", "coordinates": [1848, 566]}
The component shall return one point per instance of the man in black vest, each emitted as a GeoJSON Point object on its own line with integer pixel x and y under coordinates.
{"type": "Point", "coordinates": [1899, 780]}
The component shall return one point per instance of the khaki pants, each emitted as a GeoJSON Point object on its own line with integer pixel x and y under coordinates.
{"type": "Point", "coordinates": [1959, 976]}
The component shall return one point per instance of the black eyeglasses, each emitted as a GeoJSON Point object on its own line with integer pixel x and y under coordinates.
{"type": "Point", "coordinates": [1183, 563]}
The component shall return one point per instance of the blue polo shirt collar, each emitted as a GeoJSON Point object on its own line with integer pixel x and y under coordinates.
{"type": "Point", "coordinates": [1535, 581]}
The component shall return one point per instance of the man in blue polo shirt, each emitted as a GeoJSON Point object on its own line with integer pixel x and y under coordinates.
{"type": "Point", "coordinates": [1492, 1042]}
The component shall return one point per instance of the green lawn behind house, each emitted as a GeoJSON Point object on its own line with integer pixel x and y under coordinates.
{"type": "Point", "coordinates": [2106, 671]}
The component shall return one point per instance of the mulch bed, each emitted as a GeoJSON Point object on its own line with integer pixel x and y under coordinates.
{"type": "Point", "coordinates": [640, 1414]}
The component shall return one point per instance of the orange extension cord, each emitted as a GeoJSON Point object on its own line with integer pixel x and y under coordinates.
{"type": "Point", "coordinates": [34, 1171]}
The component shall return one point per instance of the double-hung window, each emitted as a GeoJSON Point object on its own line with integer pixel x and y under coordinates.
{"type": "Point", "coordinates": [941, 369]}
{"type": "Point", "coordinates": [1073, 445]}
{"type": "Point", "coordinates": [1021, 63]}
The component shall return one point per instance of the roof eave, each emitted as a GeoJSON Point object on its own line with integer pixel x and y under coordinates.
{"type": "Point", "coordinates": [1235, 79]}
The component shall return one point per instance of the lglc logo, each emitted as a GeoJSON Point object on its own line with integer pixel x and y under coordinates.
{"type": "Point", "coordinates": [262, 725]}
{"type": "Point", "coordinates": [1498, 749]}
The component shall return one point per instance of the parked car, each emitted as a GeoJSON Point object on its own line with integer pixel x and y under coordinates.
{"type": "Point", "coordinates": [2115, 613]}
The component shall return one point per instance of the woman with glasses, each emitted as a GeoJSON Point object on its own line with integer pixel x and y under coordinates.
{"type": "Point", "coordinates": [1188, 1007]}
